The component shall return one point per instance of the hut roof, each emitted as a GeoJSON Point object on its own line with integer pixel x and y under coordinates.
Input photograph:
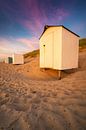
{"type": "Point", "coordinates": [48, 26]}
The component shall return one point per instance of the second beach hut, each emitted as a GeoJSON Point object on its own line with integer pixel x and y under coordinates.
{"type": "Point", "coordinates": [9, 60]}
{"type": "Point", "coordinates": [18, 59]}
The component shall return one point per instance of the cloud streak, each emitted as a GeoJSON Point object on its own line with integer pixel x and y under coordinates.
{"type": "Point", "coordinates": [30, 43]}
{"type": "Point", "coordinates": [39, 16]}
{"type": "Point", "coordinates": [12, 46]}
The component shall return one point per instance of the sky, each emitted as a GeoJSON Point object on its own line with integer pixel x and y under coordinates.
{"type": "Point", "coordinates": [22, 21]}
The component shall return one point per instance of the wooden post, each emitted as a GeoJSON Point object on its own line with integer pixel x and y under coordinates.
{"type": "Point", "coordinates": [59, 74]}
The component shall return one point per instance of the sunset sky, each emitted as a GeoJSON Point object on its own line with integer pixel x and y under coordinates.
{"type": "Point", "coordinates": [22, 21]}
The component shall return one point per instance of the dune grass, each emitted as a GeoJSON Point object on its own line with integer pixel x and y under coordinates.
{"type": "Point", "coordinates": [82, 44]}
{"type": "Point", "coordinates": [31, 54]}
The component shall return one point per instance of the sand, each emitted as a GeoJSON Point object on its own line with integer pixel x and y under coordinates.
{"type": "Point", "coordinates": [34, 99]}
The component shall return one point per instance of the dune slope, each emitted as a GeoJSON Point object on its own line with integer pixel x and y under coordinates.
{"type": "Point", "coordinates": [31, 99]}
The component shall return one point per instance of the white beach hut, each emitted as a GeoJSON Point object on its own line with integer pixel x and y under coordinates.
{"type": "Point", "coordinates": [18, 59]}
{"type": "Point", "coordinates": [58, 48]}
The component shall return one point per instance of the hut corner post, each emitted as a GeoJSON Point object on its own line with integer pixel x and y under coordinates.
{"type": "Point", "coordinates": [59, 74]}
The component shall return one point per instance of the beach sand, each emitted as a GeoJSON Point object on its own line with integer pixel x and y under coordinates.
{"type": "Point", "coordinates": [34, 99]}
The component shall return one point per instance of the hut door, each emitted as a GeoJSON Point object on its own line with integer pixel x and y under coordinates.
{"type": "Point", "coordinates": [48, 52]}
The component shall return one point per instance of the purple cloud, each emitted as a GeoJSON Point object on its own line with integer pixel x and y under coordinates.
{"type": "Point", "coordinates": [31, 15]}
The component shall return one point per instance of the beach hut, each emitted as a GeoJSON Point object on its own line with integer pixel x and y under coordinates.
{"type": "Point", "coordinates": [9, 60]}
{"type": "Point", "coordinates": [18, 59]}
{"type": "Point", "coordinates": [58, 48]}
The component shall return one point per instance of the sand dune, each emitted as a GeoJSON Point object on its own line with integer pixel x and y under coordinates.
{"type": "Point", "coordinates": [33, 99]}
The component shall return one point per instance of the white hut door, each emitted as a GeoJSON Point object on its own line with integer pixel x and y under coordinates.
{"type": "Point", "coordinates": [48, 52]}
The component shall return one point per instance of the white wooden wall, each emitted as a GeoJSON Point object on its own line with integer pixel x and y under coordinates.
{"type": "Point", "coordinates": [18, 59]}
{"type": "Point", "coordinates": [70, 46]}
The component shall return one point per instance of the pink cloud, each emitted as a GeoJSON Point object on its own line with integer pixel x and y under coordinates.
{"type": "Point", "coordinates": [33, 14]}
{"type": "Point", "coordinates": [37, 22]}
{"type": "Point", "coordinates": [5, 45]}
{"type": "Point", "coordinates": [9, 46]}
{"type": "Point", "coordinates": [31, 44]}
{"type": "Point", "coordinates": [59, 15]}
{"type": "Point", "coordinates": [3, 55]}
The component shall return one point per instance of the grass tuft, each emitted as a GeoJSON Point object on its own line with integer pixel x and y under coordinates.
{"type": "Point", "coordinates": [31, 54]}
{"type": "Point", "coordinates": [82, 42]}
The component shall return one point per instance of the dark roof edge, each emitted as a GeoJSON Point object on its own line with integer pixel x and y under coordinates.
{"type": "Point", "coordinates": [47, 26]}
{"type": "Point", "coordinates": [70, 31]}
